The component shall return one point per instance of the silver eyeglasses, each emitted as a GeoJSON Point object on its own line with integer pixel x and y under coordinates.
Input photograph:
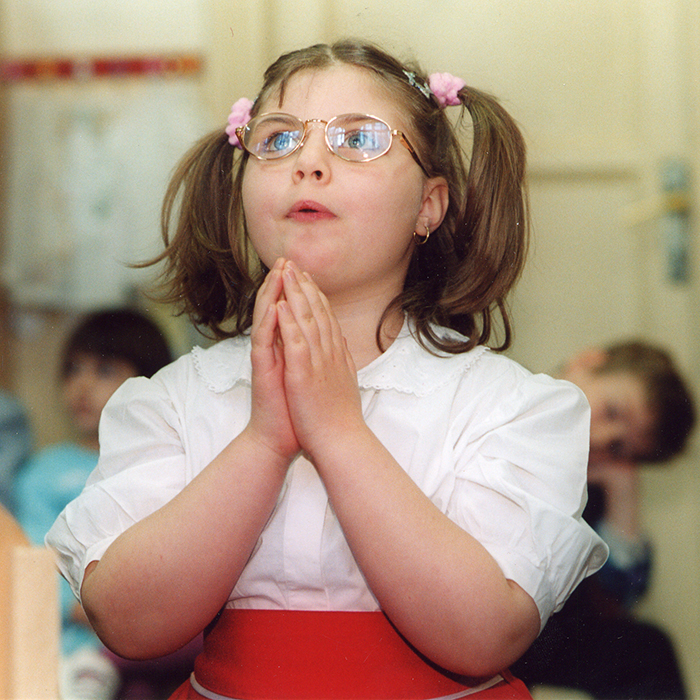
{"type": "Point", "coordinates": [358, 138]}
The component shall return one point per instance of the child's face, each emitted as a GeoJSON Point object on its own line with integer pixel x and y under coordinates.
{"type": "Point", "coordinates": [87, 386]}
{"type": "Point", "coordinates": [350, 225]}
{"type": "Point", "coordinates": [621, 421]}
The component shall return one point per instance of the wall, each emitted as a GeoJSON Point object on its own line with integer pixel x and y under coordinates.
{"type": "Point", "coordinates": [603, 91]}
{"type": "Point", "coordinates": [81, 30]}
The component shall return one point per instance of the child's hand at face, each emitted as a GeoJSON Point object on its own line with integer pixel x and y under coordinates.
{"type": "Point", "coordinates": [616, 477]}
{"type": "Point", "coordinates": [319, 373]}
{"type": "Point", "coordinates": [270, 418]}
{"type": "Point", "coordinates": [620, 483]}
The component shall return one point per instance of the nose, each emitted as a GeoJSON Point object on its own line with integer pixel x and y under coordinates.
{"type": "Point", "coordinates": [313, 158]}
{"type": "Point", "coordinates": [604, 434]}
{"type": "Point", "coordinates": [78, 383]}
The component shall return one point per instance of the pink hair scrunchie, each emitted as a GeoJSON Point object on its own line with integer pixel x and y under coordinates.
{"type": "Point", "coordinates": [445, 87]}
{"type": "Point", "coordinates": [240, 116]}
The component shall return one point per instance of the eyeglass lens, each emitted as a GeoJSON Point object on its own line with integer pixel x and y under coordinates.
{"type": "Point", "coordinates": [354, 137]}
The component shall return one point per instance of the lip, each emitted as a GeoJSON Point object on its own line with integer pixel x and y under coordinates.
{"type": "Point", "coordinates": [308, 210]}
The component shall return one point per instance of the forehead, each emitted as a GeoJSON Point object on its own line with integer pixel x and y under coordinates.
{"type": "Point", "coordinates": [626, 386]}
{"type": "Point", "coordinates": [340, 89]}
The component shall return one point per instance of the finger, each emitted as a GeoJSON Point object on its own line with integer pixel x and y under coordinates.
{"type": "Point", "coordinates": [311, 308]}
{"type": "Point", "coordinates": [269, 292]}
{"type": "Point", "coordinates": [266, 330]}
{"type": "Point", "coordinates": [305, 306]}
{"type": "Point", "coordinates": [328, 315]}
{"type": "Point", "coordinates": [348, 358]}
{"type": "Point", "coordinates": [297, 351]}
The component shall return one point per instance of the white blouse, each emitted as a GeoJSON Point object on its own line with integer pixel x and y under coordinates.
{"type": "Point", "coordinates": [500, 451]}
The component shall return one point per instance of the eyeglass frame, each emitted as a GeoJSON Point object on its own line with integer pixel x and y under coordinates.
{"type": "Point", "coordinates": [403, 139]}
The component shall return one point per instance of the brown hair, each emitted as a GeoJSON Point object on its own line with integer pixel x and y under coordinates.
{"type": "Point", "coordinates": [669, 400]}
{"type": "Point", "coordinates": [459, 279]}
{"type": "Point", "coordinates": [121, 334]}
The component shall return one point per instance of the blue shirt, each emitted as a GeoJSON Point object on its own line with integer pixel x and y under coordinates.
{"type": "Point", "coordinates": [44, 486]}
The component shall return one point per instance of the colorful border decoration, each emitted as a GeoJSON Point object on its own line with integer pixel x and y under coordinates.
{"type": "Point", "coordinates": [109, 67]}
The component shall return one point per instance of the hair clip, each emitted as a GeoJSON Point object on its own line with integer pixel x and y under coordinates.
{"type": "Point", "coordinates": [445, 87]}
{"type": "Point", "coordinates": [240, 116]}
{"type": "Point", "coordinates": [418, 84]}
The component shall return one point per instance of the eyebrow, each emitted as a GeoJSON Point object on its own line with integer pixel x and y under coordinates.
{"type": "Point", "coordinates": [277, 117]}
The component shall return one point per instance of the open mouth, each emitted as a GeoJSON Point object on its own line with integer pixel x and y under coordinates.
{"type": "Point", "coordinates": [306, 209]}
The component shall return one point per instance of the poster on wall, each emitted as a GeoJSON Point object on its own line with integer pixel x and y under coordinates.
{"type": "Point", "coordinates": [89, 164]}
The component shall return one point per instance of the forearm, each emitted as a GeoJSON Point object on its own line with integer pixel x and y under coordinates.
{"type": "Point", "coordinates": [164, 579]}
{"type": "Point", "coordinates": [620, 484]}
{"type": "Point", "coordinates": [622, 515]}
{"type": "Point", "coordinates": [438, 585]}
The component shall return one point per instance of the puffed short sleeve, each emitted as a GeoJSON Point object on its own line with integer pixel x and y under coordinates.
{"type": "Point", "coordinates": [142, 466]}
{"type": "Point", "coordinates": [521, 453]}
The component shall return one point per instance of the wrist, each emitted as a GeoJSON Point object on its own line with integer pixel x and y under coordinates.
{"type": "Point", "coordinates": [337, 447]}
{"type": "Point", "coordinates": [267, 451]}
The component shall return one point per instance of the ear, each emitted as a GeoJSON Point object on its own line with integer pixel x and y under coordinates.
{"type": "Point", "coordinates": [436, 197]}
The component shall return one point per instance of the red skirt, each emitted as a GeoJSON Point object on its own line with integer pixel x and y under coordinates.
{"type": "Point", "coordinates": [304, 655]}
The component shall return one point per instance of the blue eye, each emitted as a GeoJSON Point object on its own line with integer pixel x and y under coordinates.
{"type": "Point", "coordinates": [280, 141]}
{"type": "Point", "coordinates": [612, 412]}
{"type": "Point", "coordinates": [356, 140]}
{"type": "Point", "coordinates": [273, 136]}
{"type": "Point", "coordinates": [358, 137]}
{"type": "Point", "coordinates": [107, 369]}
{"type": "Point", "coordinates": [364, 140]}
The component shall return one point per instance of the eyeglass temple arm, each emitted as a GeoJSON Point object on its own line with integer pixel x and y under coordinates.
{"type": "Point", "coordinates": [410, 148]}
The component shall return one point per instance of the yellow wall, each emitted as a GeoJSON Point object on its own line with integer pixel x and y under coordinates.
{"type": "Point", "coordinates": [597, 122]}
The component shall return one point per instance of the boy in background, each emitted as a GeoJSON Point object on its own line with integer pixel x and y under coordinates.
{"type": "Point", "coordinates": [641, 412]}
{"type": "Point", "coordinates": [106, 348]}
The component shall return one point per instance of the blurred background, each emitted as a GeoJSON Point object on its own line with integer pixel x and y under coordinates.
{"type": "Point", "coordinates": [99, 99]}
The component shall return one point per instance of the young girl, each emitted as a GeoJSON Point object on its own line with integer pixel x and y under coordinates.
{"type": "Point", "coordinates": [350, 492]}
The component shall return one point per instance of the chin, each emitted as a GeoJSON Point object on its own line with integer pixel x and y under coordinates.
{"type": "Point", "coordinates": [85, 426]}
{"type": "Point", "coordinates": [319, 264]}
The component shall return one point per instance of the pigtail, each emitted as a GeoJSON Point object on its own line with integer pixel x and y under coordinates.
{"type": "Point", "coordinates": [459, 279]}
{"type": "Point", "coordinates": [491, 233]}
{"type": "Point", "coordinates": [205, 258]}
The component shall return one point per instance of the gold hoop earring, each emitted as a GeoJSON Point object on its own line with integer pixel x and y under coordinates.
{"type": "Point", "coordinates": [422, 240]}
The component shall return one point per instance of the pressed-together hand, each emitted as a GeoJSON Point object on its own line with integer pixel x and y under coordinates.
{"type": "Point", "coordinates": [270, 419]}
{"type": "Point", "coordinates": [320, 378]}
{"type": "Point", "coordinates": [304, 378]}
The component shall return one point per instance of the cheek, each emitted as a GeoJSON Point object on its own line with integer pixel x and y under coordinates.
{"type": "Point", "coordinates": [258, 202]}
{"type": "Point", "coordinates": [394, 195]}
{"type": "Point", "coordinates": [248, 191]}
{"type": "Point", "coordinates": [104, 391]}
{"type": "Point", "coordinates": [68, 395]}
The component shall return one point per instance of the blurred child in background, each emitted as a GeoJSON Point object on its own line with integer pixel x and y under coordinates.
{"type": "Point", "coordinates": [641, 412]}
{"type": "Point", "coordinates": [106, 348]}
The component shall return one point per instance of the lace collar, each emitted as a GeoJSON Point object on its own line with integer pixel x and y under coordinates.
{"type": "Point", "coordinates": [404, 367]}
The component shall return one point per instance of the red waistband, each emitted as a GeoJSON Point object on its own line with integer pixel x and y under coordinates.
{"type": "Point", "coordinates": [299, 655]}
